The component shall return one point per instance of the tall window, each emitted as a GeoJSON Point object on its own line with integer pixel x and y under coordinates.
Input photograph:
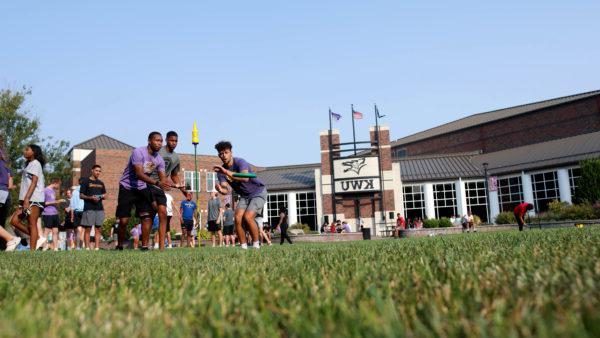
{"type": "Point", "coordinates": [211, 180]}
{"type": "Point", "coordinates": [477, 199]}
{"type": "Point", "coordinates": [190, 180]}
{"type": "Point", "coordinates": [574, 176]}
{"type": "Point", "coordinates": [414, 201]}
{"type": "Point", "coordinates": [444, 197]}
{"type": "Point", "coordinates": [306, 207]}
{"type": "Point", "coordinates": [271, 215]}
{"type": "Point", "coordinates": [545, 189]}
{"type": "Point", "coordinates": [510, 193]}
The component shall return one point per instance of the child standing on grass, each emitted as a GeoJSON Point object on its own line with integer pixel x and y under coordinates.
{"type": "Point", "coordinates": [31, 196]}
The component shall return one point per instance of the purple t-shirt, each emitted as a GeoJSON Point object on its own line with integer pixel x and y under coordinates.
{"type": "Point", "coordinates": [4, 175]}
{"type": "Point", "coordinates": [49, 196]}
{"type": "Point", "coordinates": [252, 188]}
{"type": "Point", "coordinates": [140, 156]}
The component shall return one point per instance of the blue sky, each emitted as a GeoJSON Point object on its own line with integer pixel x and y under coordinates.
{"type": "Point", "coordinates": [262, 74]}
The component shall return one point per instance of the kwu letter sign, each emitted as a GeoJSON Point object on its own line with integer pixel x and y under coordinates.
{"type": "Point", "coordinates": [359, 174]}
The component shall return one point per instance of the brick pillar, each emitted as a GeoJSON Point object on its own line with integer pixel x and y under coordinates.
{"type": "Point", "coordinates": [326, 181]}
{"type": "Point", "coordinates": [388, 183]}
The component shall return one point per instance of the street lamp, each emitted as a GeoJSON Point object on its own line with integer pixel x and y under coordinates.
{"type": "Point", "coordinates": [487, 190]}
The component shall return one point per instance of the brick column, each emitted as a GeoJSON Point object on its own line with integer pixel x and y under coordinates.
{"type": "Point", "coordinates": [326, 182]}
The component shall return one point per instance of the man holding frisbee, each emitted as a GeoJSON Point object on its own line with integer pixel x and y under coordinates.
{"type": "Point", "coordinates": [133, 187]}
{"type": "Point", "coordinates": [251, 190]}
{"type": "Point", "coordinates": [172, 168]}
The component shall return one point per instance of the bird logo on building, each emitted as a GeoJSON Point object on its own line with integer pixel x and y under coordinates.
{"type": "Point", "coordinates": [355, 165]}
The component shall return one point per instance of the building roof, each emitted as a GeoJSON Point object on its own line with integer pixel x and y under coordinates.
{"type": "Point", "coordinates": [293, 177]}
{"type": "Point", "coordinates": [438, 167]}
{"type": "Point", "coordinates": [482, 118]}
{"type": "Point", "coordinates": [102, 142]}
{"type": "Point", "coordinates": [553, 153]}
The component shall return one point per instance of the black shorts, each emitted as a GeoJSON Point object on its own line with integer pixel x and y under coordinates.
{"type": "Point", "coordinates": [140, 199]}
{"type": "Point", "coordinates": [158, 195]}
{"type": "Point", "coordinates": [213, 226]}
{"type": "Point", "coordinates": [78, 215]}
{"type": "Point", "coordinates": [51, 221]}
{"type": "Point", "coordinates": [188, 225]}
{"type": "Point", "coordinates": [228, 230]}
{"type": "Point", "coordinates": [68, 224]}
{"type": "Point", "coordinates": [169, 223]}
{"type": "Point", "coordinates": [40, 205]}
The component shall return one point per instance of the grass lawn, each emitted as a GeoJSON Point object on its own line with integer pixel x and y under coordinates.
{"type": "Point", "coordinates": [535, 283]}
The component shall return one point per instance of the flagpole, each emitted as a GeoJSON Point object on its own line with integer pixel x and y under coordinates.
{"type": "Point", "coordinates": [353, 129]}
{"type": "Point", "coordinates": [330, 125]}
{"type": "Point", "coordinates": [333, 205]}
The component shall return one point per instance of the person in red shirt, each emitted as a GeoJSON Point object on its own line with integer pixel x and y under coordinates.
{"type": "Point", "coordinates": [400, 224]}
{"type": "Point", "coordinates": [520, 212]}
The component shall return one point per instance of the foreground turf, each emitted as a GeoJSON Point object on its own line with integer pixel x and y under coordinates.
{"type": "Point", "coordinates": [536, 283]}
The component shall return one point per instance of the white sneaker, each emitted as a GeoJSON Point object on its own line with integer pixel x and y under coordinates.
{"type": "Point", "coordinates": [40, 242]}
{"type": "Point", "coordinates": [155, 245]}
{"type": "Point", "coordinates": [13, 243]}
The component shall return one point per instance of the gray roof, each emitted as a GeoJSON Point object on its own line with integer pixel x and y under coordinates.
{"type": "Point", "coordinates": [294, 177]}
{"type": "Point", "coordinates": [102, 142]}
{"type": "Point", "coordinates": [553, 153]}
{"type": "Point", "coordinates": [438, 167]}
{"type": "Point", "coordinates": [482, 118]}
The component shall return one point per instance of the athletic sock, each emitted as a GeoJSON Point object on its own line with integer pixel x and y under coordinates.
{"type": "Point", "coordinates": [244, 246]}
{"type": "Point", "coordinates": [256, 245]}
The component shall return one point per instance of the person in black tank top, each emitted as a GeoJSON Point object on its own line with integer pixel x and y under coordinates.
{"type": "Point", "coordinates": [283, 224]}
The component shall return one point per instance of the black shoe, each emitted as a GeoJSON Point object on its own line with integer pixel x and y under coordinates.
{"type": "Point", "coordinates": [119, 248]}
{"type": "Point", "coordinates": [144, 248]}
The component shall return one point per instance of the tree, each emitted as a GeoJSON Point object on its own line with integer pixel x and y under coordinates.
{"type": "Point", "coordinates": [20, 129]}
{"type": "Point", "coordinates": [588, 186]}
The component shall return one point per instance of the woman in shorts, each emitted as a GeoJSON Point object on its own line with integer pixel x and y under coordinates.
{"type": "Point", "coordinates": [31, 196]}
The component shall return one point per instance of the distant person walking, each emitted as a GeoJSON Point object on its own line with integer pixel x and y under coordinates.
{"type": "Point", "coordinates": [50, 217]}
{"type": "Point", "coordinates": [31, 196]}
{"type": "Point", "coordinates": [187, 211]}
{"type": "Point", "coordinates": [215, 214]}
{"type": "Point", "coordinates": [77, 205]}
{"type": "Point", "coordinates": [400, 225]}
{"type": "Point", "coordinates": [93, 192]}
{"type": "Point", "coordinates": [283, 224]}
{"type": "Point", "coordinates": [228, 225]}
{"type": "Point", "coordinates": [520, 212]}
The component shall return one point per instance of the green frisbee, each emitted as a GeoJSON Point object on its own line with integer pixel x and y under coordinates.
{"type": "Point", "coordinates": [244, 175]}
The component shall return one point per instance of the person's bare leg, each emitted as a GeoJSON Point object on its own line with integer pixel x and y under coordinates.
{"type": "Point", "coordinates": [136, 241]}
{"type": "Point", "coordinates": [123, 222]}
{"type": "Point", "coordinates": [5, 235]}
{"type": "Point", "coordinates": [146, 228]}
{"type": "Point", "coordinates": [239, 228]}
{"type": "Point", "coordinates": [97, 237]}
{"type": "Point", "coordinates": [169, 238]}
{"type": "Point", "coordinates": [33, 229]}
{"type": "Point", "coordinates": [86, 237]}
{"type": "Point", "coordinates": [15, 221]}
{"type": "Point", "coordinates": [162, 226]}
{"type": "Point", "coordinates": [80, 236]}
{"type": "Point", "coordinates": [220, 233]}
{"type": "Point", "coordinates": [249, 218]}
{"type": "Point", "coordinates": [54, 238]}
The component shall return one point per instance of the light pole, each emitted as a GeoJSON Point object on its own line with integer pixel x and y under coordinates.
{"type": "Point", "coordinates": [195, 143]}
{"type": "Point", "coordinates": [487, 191]}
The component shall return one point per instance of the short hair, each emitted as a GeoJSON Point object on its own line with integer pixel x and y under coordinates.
{"type": "Point", "coordinates": [223, 145]}
{"type": "Point", "coordinates": [172, 133]}
{"type": "Point", "coordinates": [96, 166]}
{"type": "Point", "coordinates": [55, 180]}
{"type": "Point", "coordinates": [227, 205]}
{"type": "Point", "coordinates": [529, 206]}
{"type": "Point", "coordinates": [152, 134]}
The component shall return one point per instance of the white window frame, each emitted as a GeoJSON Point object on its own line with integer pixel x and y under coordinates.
{"type": "Point", "coordinates": [192, 177]}
{"type": "Point", "coordinates": [420, 199]}
{"type": "Point", "coordinates": [536, 192]}
{"type": "Point", "coordinates": [445, 204]}
{"type": "Point", "coordinates": [211, 177]}
{"type": "Point", "coordinates": [510, 191]}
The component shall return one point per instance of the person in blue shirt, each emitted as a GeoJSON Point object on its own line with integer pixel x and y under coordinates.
{"type": "Point", "coordinates": [188, 209]}
{"type": "Point", "coordinates": [76, 204]}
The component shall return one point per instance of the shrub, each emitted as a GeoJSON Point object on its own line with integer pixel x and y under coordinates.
{"type": "Point", "coordinates": [564, 211]}
{"type": "Point", "coordinates": [506, 217]}
{"type": "Point", "coordinates": [109, 222]}
{"type": "Point", "coordinates": [588, 186]}
{"type": "Point", "coordinates": [303, 227]}
{"type": "Point", "coordinates": [476, 220]}
{"type": "Point", "coordinates": [431, 223]}
{"type": "Point", "coordinates": [445, 222]}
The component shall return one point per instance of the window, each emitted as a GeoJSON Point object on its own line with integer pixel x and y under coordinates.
{"type": "Point", "coordinates": [545, 189]}
{"type": "Point", "coordinates": [190, 180]}
{"type": "Point", "coordinates": [211, 181]}
{"type": "Point", "coordinates": [574, 176]}
{"type": "Point", "coordinates": [271, 215]}
{"type": "Point", "coordinates": [510, 193]}
{"type": "Point", "coordinates": [397, 152]}
{"type": "Point", "coordinates": [477, 199]}
{"type": "Point", "coordinates": [444, 198]}
{"type": "Point", "coordinates": [306, 208]}
{"type": "Point", "coordinates": [414, 202]}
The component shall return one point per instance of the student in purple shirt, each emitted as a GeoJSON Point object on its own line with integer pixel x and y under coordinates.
{"type": "Point", "coordinates": [133, 188]}
{"type": "Point", "coordinates": [50, 213]}
{"type": "Point", "coordinates": [252, 191]}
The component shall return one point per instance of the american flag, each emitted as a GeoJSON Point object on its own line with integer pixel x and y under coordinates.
{"type": "Point", "coordinates": [357, 115]}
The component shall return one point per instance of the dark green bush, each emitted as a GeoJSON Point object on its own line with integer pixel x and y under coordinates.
{"type": "Point", "coordinates": [588, 185]}
{"type": "Point", "coordinates": [445, 222]}
{"type": "Point", "coordinates": [506, 217]}
{"type": "Point", "coordinates": [431, 223]}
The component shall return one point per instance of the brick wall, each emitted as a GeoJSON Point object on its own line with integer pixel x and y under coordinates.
{"type": "Point", "coordinates": [574, 118]}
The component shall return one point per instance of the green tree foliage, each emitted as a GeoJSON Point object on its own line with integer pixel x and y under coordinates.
{"type": "Point", "coordinates": [588, 187]}
{"type": "Point", "coordinates": [19, 129]}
